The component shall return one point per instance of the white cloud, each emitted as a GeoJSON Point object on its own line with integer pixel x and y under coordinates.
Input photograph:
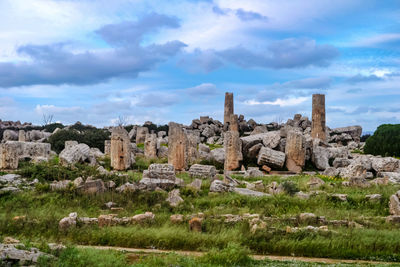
{"type": "Point", "coordinates": [279, 102]}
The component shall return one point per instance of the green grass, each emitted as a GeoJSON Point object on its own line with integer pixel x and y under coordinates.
{"type": "Point", "coordinates": [232, 255]}
{"type": "Point", "coordinates": [142, 163]}
{"type": "Point", "coordinates": [377, 240]}
{"type": "Point", "coordinates": [214, 146]}
{"type": "Point", "coordinates": [140, 145]}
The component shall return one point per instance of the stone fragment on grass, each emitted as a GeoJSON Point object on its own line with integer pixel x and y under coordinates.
{"type": "Point", "coordinates": [195, 224]}
{"type": "Point", "coordinates": [176, 218]}
{"type": "Point", "coordinates": [146, 217]}
{"type": "Point", "coordinates": [219, 187]}
{"type": "Point", "coordinates": [68, 222]}
{"type": "Point", "coordinates": [315, 183]}
{"type": "Point", "coordinates": [174, 198]}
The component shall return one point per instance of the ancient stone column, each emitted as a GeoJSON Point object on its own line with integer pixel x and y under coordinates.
{"type": "Point", "coordinates": [295, 151]}
{"type": "Point", "coordinates": [107, 147]}
{"type": "Point", "coordinates": [120, 152]}
{"type": "Point", "coordinates": [228, 108]}
{"type": "Point", "coordinates": [141, 134]}
{"type": "Point", "coordinates": [21, 136]}
{"type": "Point", "coordinates": [9, 155]}
{"type": "Point", "coordinates": [191, 149]}
{"type": "Point", "coordinates": [232, 145]}
{"type": "Point", "coordinates": [177, 147]}
{"type": "Point", "coordinates": [150, 146]}
{"type": "Point", "coordinates": [318, 129]}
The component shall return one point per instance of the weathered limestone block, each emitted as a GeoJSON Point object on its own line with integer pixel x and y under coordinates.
{"type": "Point", "coordinates": [202, 171]}
{"type": "Point", "coordinates": [132, 133]}
{"type": "Point", "coordinates": [10, 135]}
{"type": "Point", "coordinates": [92, 187]}
{"type": "Point", "coordinates": [354, 131]}
{"type": "Point", "coordinates": [161, 171]}
{"type": "Point", "coordinates": [253, 151]}
{"type": "Point", "coordinates": [271, 139]}
{"type": "Point", "coordinates": [253, 172]}
{"type": "Point", "coordinates": [318, 127]}
{"type": "Point", "coordinates": [69, 144]}
{"type": "Point", "coordinates": [218, 155]}
{"type": "Point", "coordinates": [250, 141]}
{"type": "Point", "coordinates": [219, 187]}
{"type": "Point", "coordinates": [270, 157]}
{"type": "Point", "coordinates": [248, 192]}
{"type": "Point", "coordinates": [21, 136]}
{"type": "Point", "coordinates": [161, 176]}
{"type": "Point", "coordinates": [12, 151]}
{"type": "Point", "coordinates": [162, 152]}
{"type": "Point", "coordinates": [228, 109]}
{"type": "Point", "coordinates": [74, 154]}
{"type": "Point", "coordinates": [174, 198]}
{"type": "Point", "coordinates": [8, 155]}
{"type": "Point", "coordinates": [295, 151]}
{"type": "Point", "coordinates": [141, 134]}
{"type": "Point", "coordinates": [320, 157]}
{"type": "Point", "coordinates": [341, 162]}
{"type": "Point", "coordinates": [387, 164]}
{"type": "Point", "coordinates": [177, 147]}
{"type": "Point", "coordinates": [107, 147]}
{"type": "Point", "coordinates": [121, 149]}
{"type": "Point", "coordinates": [150, 146]}
{"type": "Point", "coordinates": [394, 204]}
{"type": "Point", "coordinates": [68, 222]}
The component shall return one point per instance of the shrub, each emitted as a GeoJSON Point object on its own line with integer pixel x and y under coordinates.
{"type": "Point", "coordinates": [290, 187]}
{"type": "Point", "coordinates": [385, 141]}
{"type": "Point", "coordinates": [365, 137]}
{"type": "Point", "coordinates": [93, 137]}
{"type": "Point", "coordinates": [51, 127]}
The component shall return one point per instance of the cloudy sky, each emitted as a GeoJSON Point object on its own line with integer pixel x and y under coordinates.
{"type": "Point", "coordinates": [95, 61]}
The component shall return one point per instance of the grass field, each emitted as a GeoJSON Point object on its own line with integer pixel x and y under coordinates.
{"type": "Point", "coordinates": [376, 240]}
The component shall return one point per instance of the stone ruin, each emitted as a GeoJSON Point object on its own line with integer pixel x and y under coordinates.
{"type": "Point", "coordinates": [228, 109]}
{"type": "Point", "coordinates": [273, 146]}
{"type": "Point", "coordinates": [150, 145]}
{"type": "Point", "coordinates": [232, 145]}
{"type": "Point", "coordinates": [159, 176]}
{"type": "Point", "coordinates": [318, 127]}
{"type": "Point", "coordinates": [120, 151]}
{"type": "Point", "coordinates": [177, 146]}
{"type": "Point", "coordinates": [11, 152]}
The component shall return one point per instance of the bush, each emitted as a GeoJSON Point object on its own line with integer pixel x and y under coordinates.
{"type": "Point", "coordinates": [385, 141]}
{"type": "Point", "coordinates": [51, 127]}
{"type": "Point", "coordinates": [93, 137]}
{"type": "Point", "coordinates": [290, 187]}
{"type": "Point", "coordinates": [365, 137]}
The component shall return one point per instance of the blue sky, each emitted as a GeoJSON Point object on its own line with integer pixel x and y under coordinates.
{"type": "Point", "coordinates": [162, 61]}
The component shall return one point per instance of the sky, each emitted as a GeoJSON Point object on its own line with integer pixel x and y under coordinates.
{"type": "Point", "coordinates": [161, 61]}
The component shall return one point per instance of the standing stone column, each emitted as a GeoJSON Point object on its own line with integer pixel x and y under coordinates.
{"type": "Point", "coordinates": [150, 146]}
{"type": "Point", "coordinates": [318, 128]}
{"type": "Point", "coordinates": [9, 155]}
{"type": "Point", "coordinates": [177, 147]}
{"type": "Point", "coordinates": [120, 151]}
{"type": "Point", "coordinates": [232, 145]}
{"type": "Point", "coordinates": [295, 151]}
{"type": "Point", "coordinates": [21, 136]}
{"type": "Point", "coordinates": [228, 108]}
{"type": "Point", "coordinates": [141, 135]}
{"type": "Point", "coordinates": [107, 147]}
{"type": "Point", "coordinates": [191, 151]}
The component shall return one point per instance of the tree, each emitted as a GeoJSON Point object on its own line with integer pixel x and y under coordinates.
{"type": "Point", "coordinates": [385, 141]}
